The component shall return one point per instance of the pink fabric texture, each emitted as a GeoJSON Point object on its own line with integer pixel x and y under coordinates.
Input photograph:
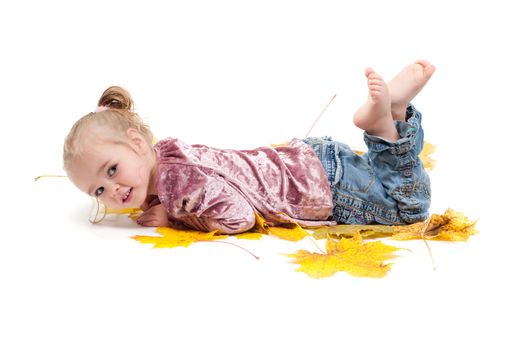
{"type": "Point", "coordinates": [208, 188]}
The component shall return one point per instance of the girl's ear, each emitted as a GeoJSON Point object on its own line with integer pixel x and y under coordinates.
{"type": "Point", "coordinates": [137, 141]}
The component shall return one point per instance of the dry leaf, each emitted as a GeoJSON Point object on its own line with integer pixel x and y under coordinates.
{"type": "Point", "coordinates": [171, 238]}
{"type": "Point", "coordinates": [366, 231]}
{"type": "Point", "coordinates": [451, 226]}
{"type": "Point", "coordinates": [291, 232]}
{"type": "Point", "coordinates": [260, 224]}
{"type": "Point", "coordinates": [427, 150]}
{"type": "Point", "coordinates": [349, 255]}
{"type": "Point", "coordinates": [249, 235]}
{"type": "Point", "coordinates": [133, 213]}
{"type": "Point", "coordinates": [276, 145]}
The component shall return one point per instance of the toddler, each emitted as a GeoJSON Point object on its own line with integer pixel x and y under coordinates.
{"type": "Point", "coordinates": [109, 154]}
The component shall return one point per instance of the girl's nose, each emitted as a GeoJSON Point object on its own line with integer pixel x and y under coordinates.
{"type": "Point", "coordinates": [115, 191]}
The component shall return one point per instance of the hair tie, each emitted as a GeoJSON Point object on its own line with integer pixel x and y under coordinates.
{"type": "Point", "coordinates": [101, 108]}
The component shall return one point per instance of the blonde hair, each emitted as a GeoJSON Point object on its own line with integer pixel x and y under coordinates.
{"type": "Point", "coordinates": [117, 117]}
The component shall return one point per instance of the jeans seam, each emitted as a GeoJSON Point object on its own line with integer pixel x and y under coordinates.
{"type": "Point", "coordinates": [349, 206]}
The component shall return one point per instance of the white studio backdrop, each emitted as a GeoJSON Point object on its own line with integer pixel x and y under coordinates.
{"type": "Point", "coordinates": [241, 74]}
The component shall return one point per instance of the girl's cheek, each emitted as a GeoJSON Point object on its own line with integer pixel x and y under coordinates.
{"type": "Point", "coordinates": [106, 200]}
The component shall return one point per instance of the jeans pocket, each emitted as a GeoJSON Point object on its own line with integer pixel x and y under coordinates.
{"type": "Point", "coordinates": [414, 201]}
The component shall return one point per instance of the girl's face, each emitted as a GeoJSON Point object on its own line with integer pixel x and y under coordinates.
{"type": "Point", "coordinates": [119, 175]}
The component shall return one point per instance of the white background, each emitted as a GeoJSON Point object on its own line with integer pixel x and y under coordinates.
{"type": "Point", "coordinates": [242, 74]}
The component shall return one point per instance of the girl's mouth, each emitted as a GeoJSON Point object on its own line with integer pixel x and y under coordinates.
{"type": "Point", "coordinates": [127, 196]}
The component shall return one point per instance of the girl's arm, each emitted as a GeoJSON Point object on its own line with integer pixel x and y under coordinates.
{"type": "Point", "coordinates": [208, 202]}
{"type": "Point", "coordinates": [154, 216]}
{"type": "Point", "coordinates": [226, 214]}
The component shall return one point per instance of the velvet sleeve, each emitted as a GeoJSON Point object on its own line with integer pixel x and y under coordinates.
{"type": "Point", "coordinates": [207, 202]}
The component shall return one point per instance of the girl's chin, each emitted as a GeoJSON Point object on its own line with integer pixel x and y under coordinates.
{"type": "Point", "coordinates": [137, 200]}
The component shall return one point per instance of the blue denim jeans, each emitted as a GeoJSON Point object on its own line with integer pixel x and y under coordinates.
{"type": "Point", "coordinates": [387, 185]}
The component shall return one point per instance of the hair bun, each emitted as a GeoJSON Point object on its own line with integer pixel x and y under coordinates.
{"type": "Point", "coordinates": [116, 97]}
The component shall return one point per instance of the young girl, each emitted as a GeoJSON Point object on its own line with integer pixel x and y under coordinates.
{"type": "Point", "coordinates": [317, 181]}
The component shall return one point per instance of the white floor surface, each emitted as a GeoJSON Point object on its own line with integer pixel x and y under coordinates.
{"type": "Point", "coordinates": [241, 74]}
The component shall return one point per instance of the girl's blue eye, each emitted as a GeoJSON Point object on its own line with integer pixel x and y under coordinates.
{"type": "Point", "coordinates": [112, 170]}
{"type": "Point", "coordinates": [99, 191]}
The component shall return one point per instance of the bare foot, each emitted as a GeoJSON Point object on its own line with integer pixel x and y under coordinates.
{"type": "Point", "coordinates": [407, 84]}
{"type": "Point", "coordinates": [374, 116]}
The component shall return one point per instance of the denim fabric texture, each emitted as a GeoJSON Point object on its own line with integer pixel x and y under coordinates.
{"type": "Point", "coordinates": [387, 185]}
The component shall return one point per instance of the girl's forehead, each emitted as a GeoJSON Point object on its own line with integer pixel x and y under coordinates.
{"type": "Point", "coordinates": [89, 152]}
{"type": "Point", "coordinates": [96, 153]}
{"type": "Point", "coordinates": [95, 146]}
{"type": "Point", "coordinates": [92, 153]}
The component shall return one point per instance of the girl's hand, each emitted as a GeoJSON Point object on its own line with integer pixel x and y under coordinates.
{"type": "Point", "coordinates": [149, 202]}
{"type": "Point", "coordinates": [155, 216]}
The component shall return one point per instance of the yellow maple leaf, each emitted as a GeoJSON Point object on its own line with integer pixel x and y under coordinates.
{"type": "Point", "coordinates": [291, 232]}
{"type": "Point", "coordinates": [451, 226]}
{"type": "Point", "coordinates": [259, 224]}
{"type": "Point", "coordinates": [428, 162]}
{"type": "Point", "coordinates": [171, 238]}
{"type": "Point", "coordinates": [349, 255]}
{"type": "Point", "coordinates": [366, 231]}
{"type": "Point", "coordinates": [276, 145]}
{"type": "Point", "coordinates": [249, 235]}
{"type": "Point", "coordinates": [133, 213]}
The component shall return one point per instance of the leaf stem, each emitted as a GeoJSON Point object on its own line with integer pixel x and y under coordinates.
{"type": "Point", "coordinates": [236, 245]}
{"type": "Point", "coordinates": [41, 176]}
{"type": "Point", "coordinates": [320, 115]}
{"type": "Point", "coordinates": [425, 226]}
{"type": "Point", "coordinates": [315, 243]}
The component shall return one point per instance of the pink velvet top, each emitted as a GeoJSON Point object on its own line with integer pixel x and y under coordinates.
{"type": "Point", "coordinates": [208, 188]}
